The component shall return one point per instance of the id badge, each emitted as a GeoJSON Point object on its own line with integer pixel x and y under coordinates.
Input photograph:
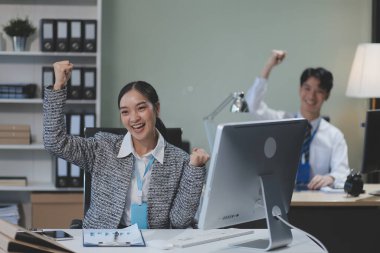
{"type": "Point", "coordinates": [139, 215]}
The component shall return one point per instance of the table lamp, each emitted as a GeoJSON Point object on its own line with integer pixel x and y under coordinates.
{"type": "Point", "coordinates": [238, 105]}
{"type": "Point", "coordinates": [364, 81]}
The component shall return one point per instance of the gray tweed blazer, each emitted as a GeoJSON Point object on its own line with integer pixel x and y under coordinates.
{"type": "Point", "coordinates": [175, 187]}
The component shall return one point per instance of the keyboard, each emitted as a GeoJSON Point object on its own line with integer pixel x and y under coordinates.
{"type": "Point", "coordinates": [189, 238]}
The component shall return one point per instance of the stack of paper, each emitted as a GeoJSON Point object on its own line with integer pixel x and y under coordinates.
{"type": "Point", "coordinates": [9, 213]}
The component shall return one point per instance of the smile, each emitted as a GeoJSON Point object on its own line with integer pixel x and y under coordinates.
{"type": "Point", "coordinates": [138, 126]}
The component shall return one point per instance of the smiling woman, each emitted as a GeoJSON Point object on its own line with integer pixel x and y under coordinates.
{"type": "Point", "coordinates": [139, 112]}
{"type": "Point", "coordinates": [137, 178]}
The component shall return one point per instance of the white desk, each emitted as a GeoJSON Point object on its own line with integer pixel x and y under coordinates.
{"type": "Point", "coordinates": [300, 243]}
{"type": "Point", "coordinates": [323, 199]}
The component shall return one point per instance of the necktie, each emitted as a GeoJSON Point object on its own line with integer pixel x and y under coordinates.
{"type": "Point", "coordinates": [303, 173]}
{"type": "Point", "coordinates": [306, 143]}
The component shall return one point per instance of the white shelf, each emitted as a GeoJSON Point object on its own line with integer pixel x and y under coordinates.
{"type": "Point", "coordinates": [47, 54]}
{"type": "Point", "coordinates": [39, 101]}
{"type": "Point", "coordinates": [20, 101]}
{"type": "Point", "coordinates": [36, 146]}
{"type": "Point", "coordinates": [49, 2]}
{"type": "Point", "coordinates": [39, 187]}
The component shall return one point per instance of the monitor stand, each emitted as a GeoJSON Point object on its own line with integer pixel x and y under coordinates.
{"type": "Point", "coordinates": [280, 234]}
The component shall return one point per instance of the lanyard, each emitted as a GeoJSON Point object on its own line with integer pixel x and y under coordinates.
{"type": "Point", "coordinates": [138, 178]}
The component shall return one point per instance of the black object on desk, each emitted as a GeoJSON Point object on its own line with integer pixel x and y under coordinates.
{"type": "Point", "coordinates": [354, 184]}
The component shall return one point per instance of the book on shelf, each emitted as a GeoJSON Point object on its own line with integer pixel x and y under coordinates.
{"type": "Point", "coordinates": [14, 128]}
{"type": "Point", "coordinates": [14, 134]}
{"type": "Point", "coordinates": [14, 238]}
{"type": "Point", "coordinates": [13, 181]}
{"type": "Point", "coordinates": [11, 141]}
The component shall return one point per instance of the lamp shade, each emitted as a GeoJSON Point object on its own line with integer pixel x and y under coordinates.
{"type": "Point", "coordinates": [364, 81]}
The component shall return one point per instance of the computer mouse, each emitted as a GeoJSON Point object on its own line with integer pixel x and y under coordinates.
{"type": "Point", "coordinates": [160, 244]}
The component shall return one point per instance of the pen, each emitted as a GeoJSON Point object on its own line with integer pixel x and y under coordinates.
{"type": "Point", "coordinates": [116, 235]}
{"type": "Point", "coordinates": [114, 244]}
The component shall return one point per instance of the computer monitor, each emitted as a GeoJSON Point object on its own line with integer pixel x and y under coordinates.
{"type": "Point", "coordinates": [371, 157]}
{"type": "Point", "coordinates": [251, 176]}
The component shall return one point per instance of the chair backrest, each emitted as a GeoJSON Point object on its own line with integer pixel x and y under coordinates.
{"type": "Point", "coordinates": [173, 136]}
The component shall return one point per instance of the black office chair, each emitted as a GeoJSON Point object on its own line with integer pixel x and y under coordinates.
{"type": "Point", "coordinates": [173, 136]}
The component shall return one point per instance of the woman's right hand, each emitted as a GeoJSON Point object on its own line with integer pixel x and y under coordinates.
{"type": "Point", "coordinates": [62, 72]}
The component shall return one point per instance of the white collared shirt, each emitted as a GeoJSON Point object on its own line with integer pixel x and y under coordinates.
{"type": "Point", "coordinates": [139, 166]}
{"type": "Point", "coordinates": [328, 150]}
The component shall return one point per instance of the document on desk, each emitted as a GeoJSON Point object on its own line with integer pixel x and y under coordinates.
{"type": "Point", "coordinates": [126, 237]}
{"type": "Point", "coordinates": [328, 189]}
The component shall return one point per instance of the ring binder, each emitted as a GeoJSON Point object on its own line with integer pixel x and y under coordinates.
{"type": "Point", "coordinates": [62, 35]}
{"type": "Point", "coordinates": [88, 120]}
{"type": "Point", "coordinates": [89, 83]}
{"type": "Point", "coordinates": [75, 84]}
{"type": "Point", "coordinates": [76, 176]}
{"type": "Point", "coordinates": [47, 78]}
{"type": "Point", "coordinates": [90, 34]}
{"type": "Point", "coordinates": [47, 38]}
{"type": "Point", "coordinates": [73, 121]}
{"type": "Point", "coordinates": [61, 177]}
{"type": "Point", "coordinates": [76, 37]}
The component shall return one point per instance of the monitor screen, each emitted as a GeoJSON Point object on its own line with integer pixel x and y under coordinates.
{"type": "Point", "coordinates": [252, 172]}
{"type": "Point", "coordinates": [371, 157]}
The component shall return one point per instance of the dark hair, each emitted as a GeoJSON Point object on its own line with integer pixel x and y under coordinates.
{"type": "Point", "coordinates": [150, 93]}
{"type": "Point", "coordinates": [323, 75]}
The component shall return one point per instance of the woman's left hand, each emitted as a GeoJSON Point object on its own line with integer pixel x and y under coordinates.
{"type": "Point", "coordinates": [198, 157]}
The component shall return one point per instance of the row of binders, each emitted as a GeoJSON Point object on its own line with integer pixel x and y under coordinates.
{"type": "Point", "coordinates": [63, 35]}
{"type": "Point", "coordinates": [81, 85]}
{"type": "Point", "coordinates": [14, 134]}
{"type": "Point", "coordinates": [68, 174]}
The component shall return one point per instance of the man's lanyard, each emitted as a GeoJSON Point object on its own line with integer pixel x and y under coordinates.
{"type": "Point", "coordinates": [138, 178]}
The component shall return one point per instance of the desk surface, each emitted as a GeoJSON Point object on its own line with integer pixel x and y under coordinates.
{"type": "Point", "coordinates": [300, 243]}
{"type": "Point", "coordinates": [318, 198]}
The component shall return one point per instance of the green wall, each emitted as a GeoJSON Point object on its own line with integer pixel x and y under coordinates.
{"type": "Point", "coordinates": [195, 52]}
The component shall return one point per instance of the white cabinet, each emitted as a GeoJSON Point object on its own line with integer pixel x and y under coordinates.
{"type": "Point", "coordinates": [26, 67]}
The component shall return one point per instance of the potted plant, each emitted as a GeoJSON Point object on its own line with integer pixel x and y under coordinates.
{"type": "Point", "coordinates": [19, 30]}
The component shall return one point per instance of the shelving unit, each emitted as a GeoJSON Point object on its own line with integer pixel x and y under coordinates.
{"type": "Point", "coordinates": [32, 160]}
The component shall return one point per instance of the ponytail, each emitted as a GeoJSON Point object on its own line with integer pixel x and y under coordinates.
{"type": "Point", "coordinates": [161, 128]}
